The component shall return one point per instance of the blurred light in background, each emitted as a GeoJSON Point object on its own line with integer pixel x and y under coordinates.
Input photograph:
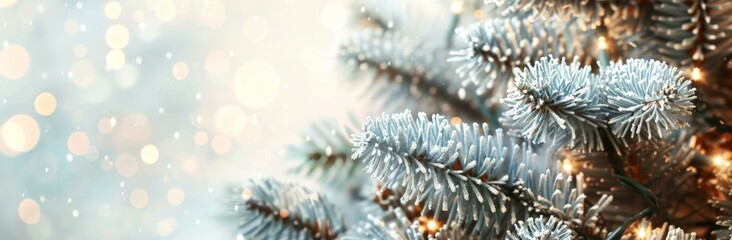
{"type": "Point", "coordinates": [128, 119]}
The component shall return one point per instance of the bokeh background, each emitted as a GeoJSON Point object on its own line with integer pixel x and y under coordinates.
{"type": "Point", "coordinates": [128, 119]}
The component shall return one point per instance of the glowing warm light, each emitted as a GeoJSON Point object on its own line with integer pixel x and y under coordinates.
{"type": "Point", "coordinates": [641, 233]}
{"type": "Point", "coordinates": [213, 14]}
{"type": "Point", "coordinates": [602, 43]}
{"type": "Point", "coordinates": [126, 165]}
{"type": "Point", "coordinates": [80, 50]}
{"type": "Point", "coordinates": [230, 120]}
{"type": "Point", "coordinates": [29, 211]}
{"type": "Point", "coordinates": [478, 14]}
{"type": "Point", "coordinates": [255, 29]}
{"type": "Point", "coordinates": [719, 161]}
{"type": "Point", "coordinates": [457, 6]}
{"type": "Point", "coordinates": [284, 213]}
{"type": "Point", "coordinates": [201, 138]}
{"type": "Point", "coordinates": [14, 62]}
{"type": "Point", "coordinates": [106, 125]}
{"type": "Point", "coordinates": [20, 133]}
{"type": "Point", "coordinates": [567, 166]}
{"type": "Point", "coordinates": [220, 144]}
{"type": "Point", "coordinates": [189, 165]}
{"type": "Point", "coordinates": [115, 59]}
{"type": "Point", "coordinates": [217, 63]}
{"type": "Point", "coordinates": [164, 228]}
{"type": "Point", "coordinates": [456, 121]}
{"type": "Point", "coordinates": [138, 198]}
{"type": "Point", "coordinates": [696, 74]}
{"type": "Point", "coordinates": [117, 36]}
{"type": "Point", "coordinates": [82, 73]}
{"type": "Point", "coordinates": [135, 128]}
{"type": "Point", "coordinates": [256, 84]}
{"type": "Point", "coordinates": [165, 10]}
{"type": "Point", "coordinates": [6, 3]}
{"type": "Point", "coordinates": [78, 143]}
{"type": "Point", "coordinates": [179, 70]}
{"type": "Point", "coordinates": [432, 225]}
{"type": "Point", "coordinates": [45, 104]}
{"type": "Point", "coordinates": [71, 27]}
{"type": "Point", "coordinates": [13, 136]}
{"type": "Point", "coordinates": [176, 196]}
{"type": "Point", "coordinates": [334, 16]}
{"type": "Point", "coordinates": [112, 10]}
{"type": "Point", "coordinates": [246, 194]}
{"type": "Point", "coordinates": [149, 154]}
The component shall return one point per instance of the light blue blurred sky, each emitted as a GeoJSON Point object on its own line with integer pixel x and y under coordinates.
{"type": "Point", "coordinates": [85, 174]}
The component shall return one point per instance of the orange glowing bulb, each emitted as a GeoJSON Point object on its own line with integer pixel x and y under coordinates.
{"type": "Point", "coordinates": [696, 74]}
{"type": "Point", "coordinates": [567, 166]}
{"type": "Point", "coordinates": [602, 43]}
{"type": "Point", "coordinates": [432, 225]}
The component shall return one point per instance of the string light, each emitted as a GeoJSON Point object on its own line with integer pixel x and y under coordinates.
{"type": "Point", "coordinates": [478, 14]}
{"type": "Point", "coordinates": [641, 233]}
{"type": "Point", "coordinates": [567, 166]}
{"type": "Point", "coordinates": [719, 161]}
{"type": "Point", "coordinates": [696, 74]}
{"type": "Point", "coordinates": [457, 6]}
{"type": "Point", "coordinates": [246, 193]}
{"type": "Point", "coordinates": [602, 43]}
{"type": "Point", "coordinates": [428, 225]}
{"type": "Point", "coordinates": [432, 225]}
{"type": "Point", "coordinates": [456, 121]}
{"type": "Point", "coordinates": [284, 213]}
{"type": "Point", "coordinates": [644, 230]}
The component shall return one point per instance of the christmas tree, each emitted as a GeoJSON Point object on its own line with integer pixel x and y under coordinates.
{"type": "Point", "coordinates": [519, 119]}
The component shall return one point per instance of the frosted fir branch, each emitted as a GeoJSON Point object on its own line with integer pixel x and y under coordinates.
{"type": "Point", "coordinates": [376, 228]}
{"type": "Point", "coordinates": [495, 48]}
{"type": "Point", "coordinates": [384, 15]}
{"type": "Point", "coordinates": [590, 12]}
{"type": "Point", "coordinates": [724, 204]}
{"type": "Point", "coordinates": [325, 153]}
{"type": "Point", "coordinates": [399, 151]}
{"type": "Point", "coordinates": [675, 233]}
{"type": "Point", "coordinates": [690, 34]}
{"type": "Point", "coordinates": [537, 228]}
{"type": "Point", "coordinates": [269, 209]}
{"type": "Point", "coordinates": [645, 230]}
{"type": "Point", "coordinates": [628, 27]}
{"type": "Point", "coordinates": [418, 19]}
{"type": "Point", "coordinates": [694, 34]}
{"type": "Point", "coordinates": [646, 98]}
{"type": "Point", "coordinates": [551, 99]}
{"type": "Point", "coordinates": [462, 174]}
{"type": "Point", "coordinates": [395, 225]}
{"type": "Point", "coordinates": [408, 73]}
{"type": "Point", "coordinates": [664, 167]}
{"type": "Point", "coordinates": [391, 200]}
